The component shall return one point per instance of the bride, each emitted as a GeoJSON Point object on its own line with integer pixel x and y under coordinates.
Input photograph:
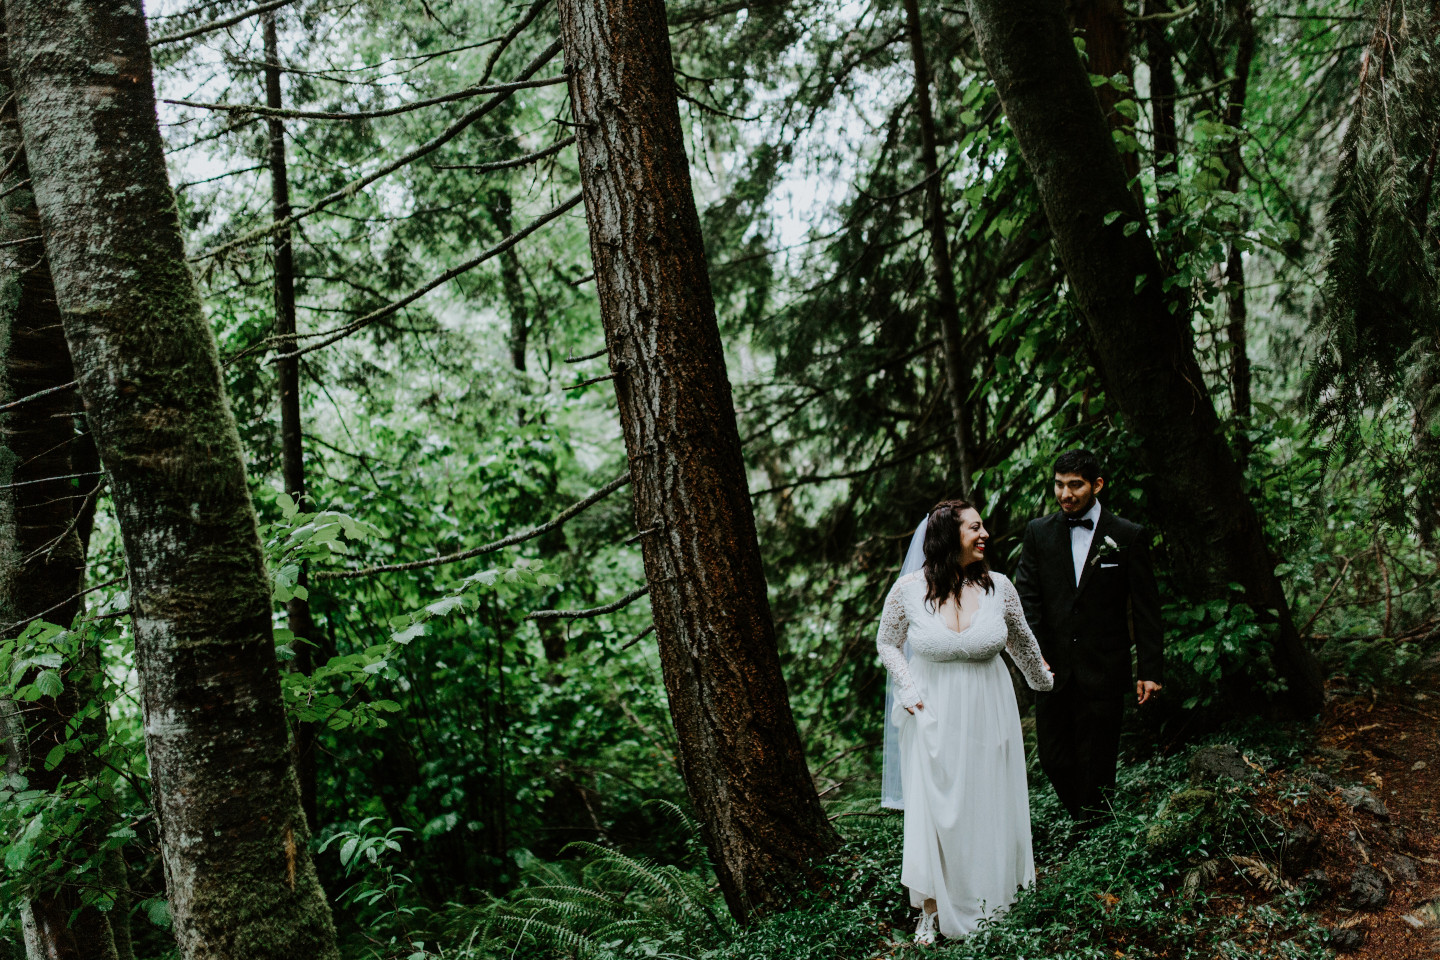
{"type": "Point", "coordinates": [961, 752]}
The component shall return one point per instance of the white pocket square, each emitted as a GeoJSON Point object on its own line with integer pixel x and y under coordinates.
{"type": "Point", "coordinates": [1108, 566]}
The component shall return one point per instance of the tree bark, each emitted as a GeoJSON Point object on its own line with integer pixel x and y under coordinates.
{"type": "Point", "coordinates": [947, 308]}
{"type": "Point", "coordinates": [42, 559]}
{"type": "Point", "coordinates": [740, 753]}
{"type": "Point", "coordinates": [1212, 531]}
{"type": "Point", "coordinates": [510, 282]}
{"type": "Point", "coordinates": [292, 443]}
{"type": "Point", "coordinates": [234, 841]}
{"type": "Point", "coordinates": [1102, 25]}
{"type": "Point", "coordinates": [1160, 58]}
{"type": "Point", "coordinates": [1235, 328]}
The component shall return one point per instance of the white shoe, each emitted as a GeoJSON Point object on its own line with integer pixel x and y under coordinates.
{"type": "Point", "coordinates": [927, 929]}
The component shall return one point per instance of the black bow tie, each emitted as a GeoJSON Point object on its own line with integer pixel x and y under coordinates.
{"type": "Point", "coordinates": [1073, 522]}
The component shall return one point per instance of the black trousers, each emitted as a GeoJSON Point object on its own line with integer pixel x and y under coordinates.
{"type": "Point", "coordinates": [1078, 734]}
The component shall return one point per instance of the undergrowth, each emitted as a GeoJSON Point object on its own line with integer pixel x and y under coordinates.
{"type": "Point", "coordinates": [1201, 884]}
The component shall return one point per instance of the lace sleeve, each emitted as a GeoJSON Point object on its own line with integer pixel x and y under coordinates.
{"type": "Point", "coordinates": [889, 640]}
{"type": "Point", "coordinates": [1024, 648]}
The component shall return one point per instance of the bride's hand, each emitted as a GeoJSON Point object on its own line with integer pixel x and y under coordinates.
{"type": "Point", "coordinates": [919, 705]}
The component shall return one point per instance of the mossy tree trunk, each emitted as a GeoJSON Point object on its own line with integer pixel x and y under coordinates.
{"type": "Point", "coordinates": [1212, 530]}
{"type": "Point", "coordinates": [42, 558]}
{"type": "Point", "coordinates": [740, 752]}
{"type": "Point", "coordinates": [235, 844]}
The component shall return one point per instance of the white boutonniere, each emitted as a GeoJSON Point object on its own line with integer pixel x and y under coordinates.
{"type": "Point", "coordinates": [1106, 548]}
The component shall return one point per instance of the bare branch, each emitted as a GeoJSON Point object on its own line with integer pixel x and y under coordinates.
{"type": "Point", "coordinates": [554, 148]}
{"type": "Point", "coordinates": [623, 602]}
{"type": "Point", "coordinates": [282, 114]}
{"type": "Point", "coordinates": [525, 20]}
{"type": "Point", "coordinates": [853, 474]}
{"type": "Point", "coordinates": [222, 23]}
{"type": "Point", "coordinates": [333, 336]}
{"type": "Point", "coordinates": [38, 394]}
{"type": "Point", "coordinates": [500, 544]}
{"type": "Point", "coordinates": [76, 596]}
{"type": "Point", "coordinates": [355, 186]}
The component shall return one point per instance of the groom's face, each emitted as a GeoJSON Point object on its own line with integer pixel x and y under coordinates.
{"type": "Point", "coordinates": [1074, 493]}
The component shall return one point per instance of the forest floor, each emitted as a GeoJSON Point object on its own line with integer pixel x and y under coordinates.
{"type": "Point", "coordinates": [1286, 841]}
{"type": "Point", "coordinates": [1389, 740]}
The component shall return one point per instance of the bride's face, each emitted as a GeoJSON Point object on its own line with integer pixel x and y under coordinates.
{"type": "Point", "coordinates": [974, 538]}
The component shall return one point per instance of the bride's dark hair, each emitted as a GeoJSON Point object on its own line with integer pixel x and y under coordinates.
{"type": "Point", "coordinates": [945, 573]}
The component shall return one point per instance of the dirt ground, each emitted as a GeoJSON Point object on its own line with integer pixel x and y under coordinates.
{"type": "Point", "coordinates": [1388, 740]}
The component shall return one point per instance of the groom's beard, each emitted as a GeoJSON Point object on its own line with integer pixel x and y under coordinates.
{"type": "Point", "coordinates": [1080, 509]}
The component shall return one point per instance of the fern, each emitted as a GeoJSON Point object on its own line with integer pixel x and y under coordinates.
{"type": "Point", "coordinates": [1377, 334]}
{"type": "Point", "coordinates": [606, 903]}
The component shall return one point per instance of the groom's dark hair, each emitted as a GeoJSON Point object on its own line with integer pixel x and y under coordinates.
{"type": "Point", "coordinates": [1079, 461]}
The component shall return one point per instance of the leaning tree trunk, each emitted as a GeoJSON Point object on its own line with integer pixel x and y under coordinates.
{"type": "Point", "coordinates": [235, 845]}
{"type": "Point", "coordinates": [942, 268]}
{"type": "Point", "coordinates": [740, 752]}
{"type": "Point", "coordinates": [42, 559]}
{"type": "Point", "coordinates": [1212, 531]}
{"type": "Point", "coordinates": [292, 442]}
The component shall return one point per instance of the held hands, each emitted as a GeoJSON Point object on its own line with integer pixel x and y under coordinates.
{"type": "Point", "coordinates": [1145, 689]}
{"type": "Point", "coordinates": [919, 705]}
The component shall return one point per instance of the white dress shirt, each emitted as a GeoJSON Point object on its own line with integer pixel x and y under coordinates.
{"type": "Point", "coordinates": [1080, 539]}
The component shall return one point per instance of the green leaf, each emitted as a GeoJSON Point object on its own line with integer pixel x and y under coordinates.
{"type": "Point", "coordinates": [1112, 216]}
{"type": "Point", "coordinates": [289, 508]}
{"type": "Point", "coordinates": [347, 851]}
{"type": "Point", "coordinates": [48, 684]}
{"type": "Point", "coordinates": [446, 606]}
{"type": "Point", "coordinates": [1131, 227]}
{"type": "Point", "coordinates": [53, 758]}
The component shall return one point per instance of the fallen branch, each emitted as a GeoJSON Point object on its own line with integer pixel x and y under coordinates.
{"type": "Point", "coordinates": [500, 544]}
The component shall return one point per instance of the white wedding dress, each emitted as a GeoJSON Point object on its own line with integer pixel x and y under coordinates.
{"type": "Point", "coordinates": [962, 757]}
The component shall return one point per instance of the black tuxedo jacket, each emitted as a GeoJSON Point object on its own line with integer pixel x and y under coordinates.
{"type": "Point", "coordinates": [1085, 630]}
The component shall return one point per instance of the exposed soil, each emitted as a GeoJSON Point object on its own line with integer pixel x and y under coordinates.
{"type": "Point", "coordinates": [1389, 741]}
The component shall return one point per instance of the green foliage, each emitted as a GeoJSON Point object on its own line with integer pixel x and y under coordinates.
{"type": "Point", "coordinates": [1111, 889]}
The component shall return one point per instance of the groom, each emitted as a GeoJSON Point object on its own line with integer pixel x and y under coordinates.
{"type": "Point", "coordinates": [1089, 592]}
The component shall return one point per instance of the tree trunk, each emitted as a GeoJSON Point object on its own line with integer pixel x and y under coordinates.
{"type": "Point", "coordinates": [42, 561]}
{"type": "Point", "coordinates": [292, 444]}
{"type": "Point", "coordinates": [1235, 328]}
{"type": "Point", "coordinates": [947, 307]}
{"type": "Point", "coordinates": [1212, 531]}
{"type": "Point", "coordinates": [1160, 58]}
{"type": "Point", "coordinates": [740, 753]}
{"type": "Point", "coordinates": [1102, 25]}
{"type": "Point", "coordinates": [510, 282]}
{"type": "Point", "coordinates": [234, 841]}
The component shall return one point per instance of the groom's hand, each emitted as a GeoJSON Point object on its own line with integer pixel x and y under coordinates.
{"type": "Point", "coordinates": [919, 705]}
{"type": "Point", "coordinates": [1144, 690]}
